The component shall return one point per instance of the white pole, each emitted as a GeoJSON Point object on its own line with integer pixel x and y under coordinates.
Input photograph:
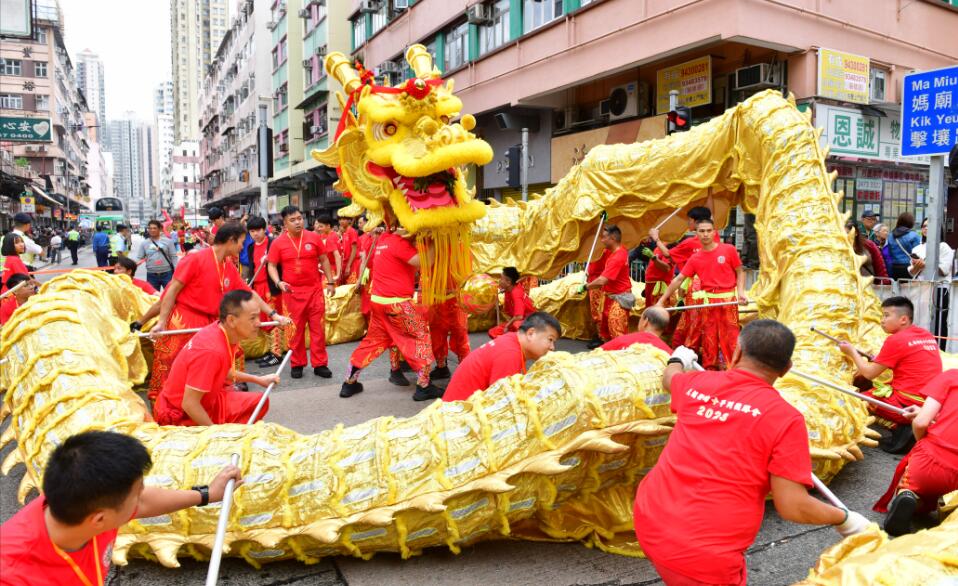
{"type": "Point", "coordinates": [524, 167]}
{"type": "Point", "coordinates": [258, 269]}
{"type": "Point", "coordinates": [262, 400]}
{"type": "Point", "coordinates": [835, 387]}
{"type": "Point", "coordinates": [667, 218]}
{"type": "Point", "coordinates": [684, 307]}
{"type": "Point", "coordinates": [837, 341]}
{"type": "Point", "coordinates": [588, 261]}
{"type": "Point", "coordinates": [828, 494]}
{"type": "Point", "coordinates": [265, 324]}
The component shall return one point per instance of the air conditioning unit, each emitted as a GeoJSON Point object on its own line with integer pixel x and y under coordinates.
{"type": "Point", "coordinates": [370, 6]}
{"type": "Point", "coordinates": [308, 63]}
{"type": "Point", "coordinates": [763, 75]}
{"type": "Point", "coordinates": [400, 4]}
{"type": "Point", "coordinates": [314, 130]}
{"type": "Point", "coordinates": [876, 85]}
{"type": "Point", "coordinates": [320, 51]}
{"type": "Point", "coordinates": [627, 101]}
{"type": "Point", "coordinates": [563, 119]}
{"type": "Point", "coordinates": [304, 13]}
{"type": "Point", "coordinates": [271, 25]}
{"type": "Point", "coordinates": [479, 14]}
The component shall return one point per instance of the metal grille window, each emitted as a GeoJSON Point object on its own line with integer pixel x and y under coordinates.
{"type": "Point", "coordinates": [496, 33]}
{"type": "Point", "coordinates": [381, 18]}
{"type": "Point", "coordinates": [359, 31]}
{"type": "Point", "coordinates": [11, 67]}
{"type": "Point", "coordinates": [457, 51]}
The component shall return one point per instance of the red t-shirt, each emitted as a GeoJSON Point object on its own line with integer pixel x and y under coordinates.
{"type": "Point", "coordinates": [205, 281]}
{"type": "Point", "coordinates": [7, 307]}
{"type": "Point", "coordinates": [349, 238]}
{"type": "Point", "coordinates": [912, 355]}
{"type": "Point", "coordinates": [617, 272]}
{"type": "Point", "coordinates": [395, 277]}
{"type": "Point", "coordinates": [214, 229]}
{"type": "Point", "coordinates": [653, 273]}
{"type": "Point", "coordinates": [684, 250]}
{"type": "Point", "coordinates": [181, 237]}
{"type": "Point", "coordinates": [203, 364]}
{"type": "Point", "coordinates": [485, 365]}
{"type": "Point", "coordinates": [299, 258]}
{"type": "Point", "coordinates": [597, 266]}
{"type": "Point", "coordinates": [518, 303]}
{"type": "Point", "coordinates": [702, 504]}
{"type": "Point", "coordinates": [28, 558]}
{"type": "Point", "coordinates": [943, 433]}
{"type": "Point", "coordinates": [144, 286]}
{"type": "Point", "coordinates": [715, 268]}
{"type": "Point", "coordinates": [11, 266]}
{"type": "Point", "coordinates": [331, 242]}
{"type": "Point", "coordinates": [636, 338]}
{"type": "Point", "coordinates": [259, 251]}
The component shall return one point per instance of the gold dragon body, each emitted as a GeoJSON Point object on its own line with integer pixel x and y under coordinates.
{"type": "Point", "coordinates": [553, 454]}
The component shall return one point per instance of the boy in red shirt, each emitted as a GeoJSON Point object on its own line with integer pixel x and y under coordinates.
{"type": "Point", "coordinates": [92, 486]}
{"type": "Point", "coordinates": [348, 251]}
{"type": "Point", "coordinates": [504, 356]}
{"type": "Point", "coordinates": [323, 226]}
{"type": "Point", "coordinates": [127, 266]}
{"type": "Point", "coordinates": [720, 273]}
{"type": "Point", "coordinates": [710, 480]}
{"type": "Point", "coordinates": [299, 253]}
{"type": "Point", "coordinates": [652, 325]}
{"type": "Point", "coordinates": [912, 355]}
{"type": "Point", "coordinates": [199, 390]}
{"type": "Point", "coordinates": [658, 273]}
{"type": "Point", "coordinates": [517, 304]}
{"type": "Point", "coordinates": [12, 301]}
{"type": "Point", "coordinates": [930, 470]}
{"type": "Point", "coordinates": [616, 286]}
{"type": "Point", "coordinates": [257, 253]}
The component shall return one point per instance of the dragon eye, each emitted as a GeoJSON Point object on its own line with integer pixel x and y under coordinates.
{"type": "Point", "coordinates": [384, 131]}
{"type": "Point", "coordinates": [445, 119]}
{"type": "Point", "coordinates": [390, 129]}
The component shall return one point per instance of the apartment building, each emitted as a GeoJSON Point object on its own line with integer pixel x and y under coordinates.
{"type": "Point", "coordinates": [163, 142]}
{"type": "Point", "coordinates": [585, 72]}
{"type": "Point", "coordinates": [188, 192]}
{"type": "Point", "coordinates": [90, 80]}
{"type": "Point", "coordinates": [131, 141]}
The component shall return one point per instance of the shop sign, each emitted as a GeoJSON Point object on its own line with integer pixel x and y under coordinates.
{"type": "Point", "coordinates": [281, 202]}
{"type": "Point", "coordinates": [843, 76]}
{"type": "Point", "coordinates": [849, 132]}
{"type": "Point", "coordinates": [28, 204]}
{"type": "Point", "coordinates": [693, 80]}
{"type": "Point", "coordinates": [868, 189]}
{"type": "Point", "coordinates": [16, 128]}
{"type": "Point", "coordinates": [930, 112]}
{"type": "Point", "coordinates": [271, 205]}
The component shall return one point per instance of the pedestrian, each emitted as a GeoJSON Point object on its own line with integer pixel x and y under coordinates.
{"type": "Point", "coordinates": [348, 251]}
{"type": "Point", "coordinates": [722, 278]}
{"type": "Point", "coordinates": [217, 219]}
{"type": "Point", "coordinates": [12, 250]}
{"type": "Point", "coordinates": [192, 299]}
{"type": "Point", "coordinates": [257, 252]}
{"type": "Point", "coordinates": [881, 234]}
{"type": "Point", "coordinates": [919, 254]}
{"type": "Point", "coordinates": [92, 485]}
{"type": "Point", "coordinates": [505, 356]}
{"type": "Point", "coordinates": [101, 245]}
{"type": "Point", "coordinates": [323, 226]}
{"type": "Point", "coordinates": [867, 225]}
{"type": "Point", "coordinates": [518, 305]}
{"type": "Point", "coordinates": [298, 254]}
{"type": "Point", "coordinates": [874, 264]}
{"type": "Point", "coordinates": [56, 244]}
{"type": "Point", "coordinates": [22, 227]}
{"type": "Point", "coordinates": [11, 302]}
{"type": "Point", "coordinates": [160, 256]}
{"type": "Point", "coordinates": [912, 355]}
{"type": "Point", "coordinates": [736, 439]}
{"type": "Point", "coordinates": [127, 266]}
{"type": "Point", "coordinates": [652, 326]}
{"type": "Point", "coordinates": [616, 285]}
{"type": "Point", "coordinates": [200, 388]}
{"type": "Point", "coordinates": [900, 244]}
{"type": "Point", "coordinates": [119, 243]}
{"type": "Point", "coordinates": [930, 470]}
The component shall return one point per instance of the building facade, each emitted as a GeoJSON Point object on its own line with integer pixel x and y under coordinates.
{"type": "Point", "coordinates": [99, 174]}
{"type": "Point", "coordinates": [163, 142]}
{"type": "Point", "coordinates": [187, 188]}
{"type": "Point", "coordinates": [131, 142]}
{"type": "Point", "coordinates": [90, 80]}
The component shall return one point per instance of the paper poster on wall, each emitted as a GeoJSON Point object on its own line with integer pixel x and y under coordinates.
{"type": "Point", "coordinates": [692, 79]}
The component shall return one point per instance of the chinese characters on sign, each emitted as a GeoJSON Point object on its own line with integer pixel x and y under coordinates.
{"type": "Point", "coordinates": [843, 76]}
{"type": "Point", "coordinates": [25, 129]}
{"type": "Point", "coordinates": [849, 132]}
{"type": "Point", "coordinates": [929, 112]}
{"type": "Point", "coordinates": [693, 80]}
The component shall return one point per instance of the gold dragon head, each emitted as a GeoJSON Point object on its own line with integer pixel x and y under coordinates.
{"type": "Point", "coordinates": [400, 155]}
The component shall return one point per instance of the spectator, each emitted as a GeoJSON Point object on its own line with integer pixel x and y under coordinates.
{"type": "Point", "coordinates": [866, 227]}
{"type": "Point", "coordinates": [881, 235]}
{"type": "Point", "coordinates": [119, 243]}
{"type": "Point", "coordinates": [101, 245]}
{"type": "Point", "coordinates": [900, 243]}
{"type": "Point", "coordinates": [56, 243]}
{"type": "Point", "coordinates": [919, 253]}
{"type": "Point", "coordinates": [12, 252]}
{"type": "Point", "coordinates": [11, 302]}
{"type": "Point", "coordinates": [217, 219]}
{"type": "Point", "coordinates": [21, 226]}
{"type": "Point", "coordinates": [126, 266]}
{"type": "Point", "coordinates": [160, 255]}
{"type": "Point", "coordinates": [874, 264]}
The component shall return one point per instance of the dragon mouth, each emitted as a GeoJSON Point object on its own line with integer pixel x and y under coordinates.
{"type": "Point", "coordinates": [421, 193]}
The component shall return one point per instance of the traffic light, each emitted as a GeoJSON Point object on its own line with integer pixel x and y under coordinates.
{"type": "Point", "coordinates": [514, 159]}
{"type": "Point", "coordinates": [680, 119]}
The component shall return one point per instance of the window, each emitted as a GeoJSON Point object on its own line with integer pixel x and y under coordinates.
{"type": "Point", "coordinates": [380, 19]}
{"type": "Point", "coordinates": [496, 33]}
{"type": "Point", "coordinates": [359, 31]}
{"type": "Point", "coordinates": [310, 74]}
{"type": "Point", "coordinates": [40, 69]}
{"type": "Point", "coordinates": [43, 102]}
{"type": "Point", "coordinates": [539, 12]}
{"type": "Point", "coordinates": [42, 36]}
{"type": "Point", "coordinates": [11, 67]}
{"type": "Point", "coordinates": [11, 101]}
{"type": "Point", "coordinates": [457, 47]}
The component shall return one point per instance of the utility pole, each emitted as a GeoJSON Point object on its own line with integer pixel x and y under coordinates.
{"type": "Point", "coordinates": [524, 167]}
{"type": "Point", "coordinates": [264, 151]}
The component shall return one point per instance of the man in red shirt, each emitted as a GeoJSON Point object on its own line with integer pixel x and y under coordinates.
{"type": "Point", "coordinates": [504, 356]}
{"type": "Point", "coordinates": [912, 355]}
{"type": "Point", "coordinates": [127, 266]}
{"type": "Point", "coordinates": [930, 470]}
{"type": "Point", "coordinates": [256, 252]}
{"type": "Point", "coordinates": [348, 251]}
{"type": "Point", "coordinates": [393, 319]}
{"type": "Point", "coordinates": [200, 389]}
{"type": "Point", "coordinates": [722, 278]}
{"type": "Point", "coordinates": [92, 486]}
{"type": "Point", "coordinates": [652, 325]}
{"type": "Point", "coordinates": [709, 479]}
{"type": "Point", "coordinates": [12, 301]}
{"type": "Point", "coordinates": [192, 299]}
{"type": "Point", "coordinates": [517, 304]}
{"type": "Point", "coordinates": [616, 286]}
{"type": "Point", "coordinates": [658, 273]}
{"type": "Point", "coordinates": [323, 226]}
{"type": "Point", "coordinates": [299, 253]}
{"type": "Point", "coordinates": [596, 297]}
{"type": "Point", "coordinates": [217, 219]}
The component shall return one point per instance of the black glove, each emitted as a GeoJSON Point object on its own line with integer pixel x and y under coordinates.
{"type": "Point", "coordinates": [135, 326]}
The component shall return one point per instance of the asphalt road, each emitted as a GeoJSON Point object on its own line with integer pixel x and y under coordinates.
{"type": "Point", "coordinates": [782, 553]}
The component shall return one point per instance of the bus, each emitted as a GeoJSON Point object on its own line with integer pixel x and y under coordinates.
{"type": "Point", "coordinates": [109, 213]}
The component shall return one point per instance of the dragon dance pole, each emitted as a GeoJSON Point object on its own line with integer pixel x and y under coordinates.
{"type": "Point", "coordinates": [684, 307]}
{"type": "Point", "coordinates": [265, 324]}
{"type": "Point", "coordinates": [213, 573]}
{"type": "Point", "coordinates": [837, 341]}
{"type": "Point", "coordinates": [10, 291]}
{"type": "Point", "coordinates": [592, 250]}
{"type": "Point", "coordinates": [833, 386]}
{"type": "Point", "coordinates": [667, 218]}
{"type": "Point", "coordinates": [258, 269]}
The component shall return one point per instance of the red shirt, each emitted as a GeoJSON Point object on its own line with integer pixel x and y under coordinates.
{"type": "Point", "coordinates": [395, 277]}
{"type": "Point", "coordinates": [684, 250]}
{"type": "Point", "coordinates": [702, 504]}
{"type": "Point", "coordinates": [715, 268]}
{"type": "Point", "coordinates": [485, 365]}
{"type": "Point", "coordinates": [518, 303]}
{"type": "Point", "coordinates": [181, 236]}
{"type": "Point", "coordinates": [145, 286]}
{"type": "Point", "coordinates": [597, 266]}
{"type": "Point", "coordinates": [299, 258]}
{"type": "Point", "coordinates": [205, 281]}
{"type": "Point", "coordinates": [636, 338]}
{"type": "Point", "coordinates": [331, 242]}
{"type": "Point", "coordinates": [28, 558]}
{"type": "Point", "coordinates": [214, 229]}
{"type": "Point", "coordinates": [349, 238]}
{"type": "Point", "coordinates": [617, 272]}
{"type": "Point", "coordinates": [7, 307]}
{"type": "Point", "coordinates": [943, 433]}
{"type": "Point", "coordinates": [11, 266]}
{"type": "Point", "coordinates": [912, 355]}
{"type": "Point", "coordinates": [203, 364]}
{"type": "Point", "coordinates": [653, 273]}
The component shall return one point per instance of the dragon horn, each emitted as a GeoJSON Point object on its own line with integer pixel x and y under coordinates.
{"type": "Point", "coordinates": [421, 62]}
{"type": "Point", "coordinates": [341, 69]}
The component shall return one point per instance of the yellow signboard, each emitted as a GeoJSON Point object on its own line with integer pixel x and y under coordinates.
{"type": "Point", "coordinates": [843, 76]}
{"type": "Point", "coordinates": [28, 204]}
{"type": "Point", "coordinates": [693, 80]}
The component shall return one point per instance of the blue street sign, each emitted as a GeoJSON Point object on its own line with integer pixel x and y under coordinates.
{"type": "Point", "coordinates": [929, 112]}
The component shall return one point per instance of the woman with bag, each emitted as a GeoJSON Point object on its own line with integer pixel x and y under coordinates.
{"type": "Point", "coordinates": [900, 242]}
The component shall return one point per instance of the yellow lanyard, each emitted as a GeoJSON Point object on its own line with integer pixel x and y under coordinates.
{"type": "Point", "coordinates": [76, 569]}
{"type": "Point", "coordinates": [219, 270]}
{"type": "Point", "coordinates": [296, 248]}
{"type": "Point", "coordinates": [229, 350]}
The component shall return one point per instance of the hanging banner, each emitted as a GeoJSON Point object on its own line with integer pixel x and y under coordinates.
{"type": "Point", "coordinates": [693, 80]}
{"type": "Point", "coordinates": [843, 76]}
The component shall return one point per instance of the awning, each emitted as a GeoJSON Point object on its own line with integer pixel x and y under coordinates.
{"type": "Point", "coordinates": [43, 194]}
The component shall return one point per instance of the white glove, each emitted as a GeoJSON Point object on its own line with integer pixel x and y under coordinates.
{"type": "Point", "coordinates": [686, 355]}
{"type": "Point", "coordinates": [855, 523]}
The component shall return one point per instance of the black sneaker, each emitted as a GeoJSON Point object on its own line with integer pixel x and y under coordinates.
{"type": "Point", "coordinates": [901, 441]}
{"type": "Point", "coordinates": [268, 360]}
{"type": "Point", "coordinates": [594, 343]}
{"type": "Point", "coordinates": [440, 372]}
{"type": "Point", "coordinates": [898, 520]}
{"type": "Point", "coordinates": [397, 378]}
{"type": "Point", "coordinates": [323, 371]}
{"type": "Point", "coordinates": [427, 393]}
{"type": "Point", "coordinates": [296, 372]}
{"type": "Point", "coordinates": [350, 389]}
{"type": "Point", "coordinates": [405, 366]}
